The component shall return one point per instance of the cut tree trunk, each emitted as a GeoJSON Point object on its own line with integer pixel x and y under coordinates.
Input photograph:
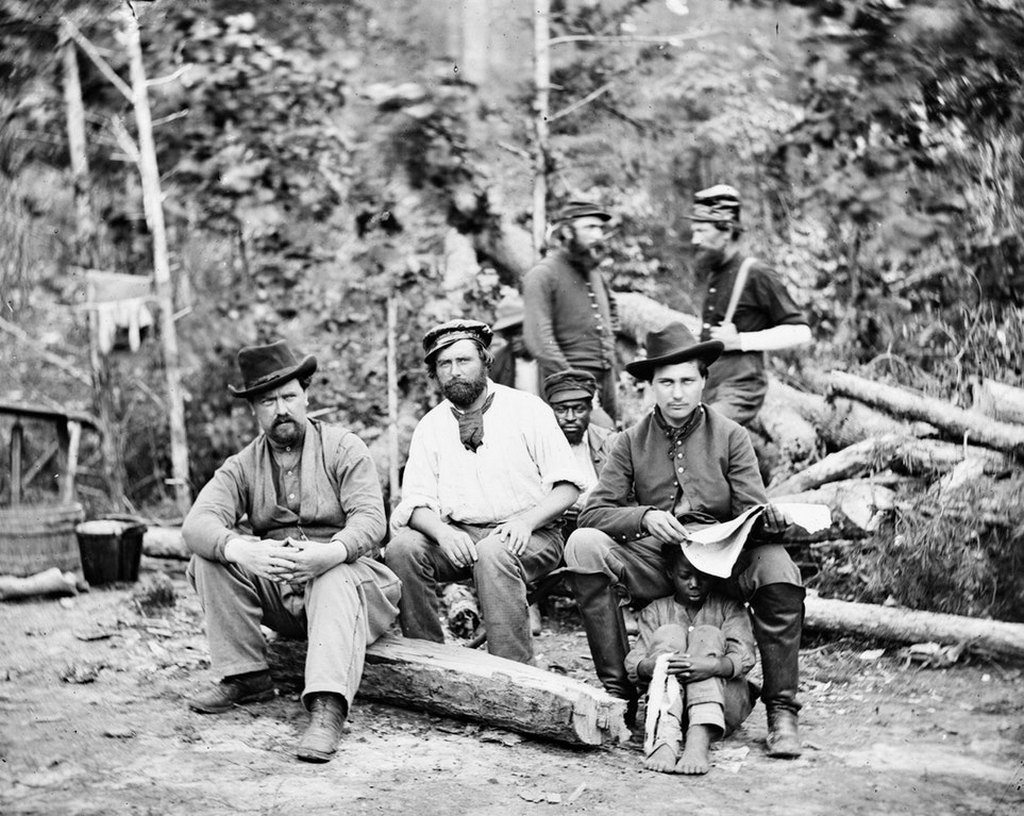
{"type": "Point", "coordinates": [165, 542]}
{"type": "Point", "coordinates": [639, 314]}
{"type": "Point", "coordinates": [794, 435]}
{"type": "Point", "coordinates": [954, 422]}
{"type": "Point", "coordinates": [989, 637]}
{"type": "Point", "coordinates": [857, 506]}
{"type": "Point", "coordinates": [455, 681]}
{"type": "Point", "coordinates": [998, 400]}
{"type": "Point", "coordinates": [51, 582]}
{"type": "Point", "coordinates": [871, 454]}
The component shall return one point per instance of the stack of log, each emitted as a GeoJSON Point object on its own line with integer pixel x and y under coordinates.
{"type": "Point", "coordinates": [868, 451]}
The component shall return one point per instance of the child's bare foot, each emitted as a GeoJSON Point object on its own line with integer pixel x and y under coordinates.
{"type": "Point", "coordinates": [662, 759]}
{"type": "Point", "coordinates": [695, 759]}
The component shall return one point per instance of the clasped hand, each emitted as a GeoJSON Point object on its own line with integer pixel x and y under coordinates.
{"type": "Point", "coordinates": [288, 561]}
{"type": "Point", "coordinates": [728, 336]}
{"type": "Point", "coordinates": [692, 668]}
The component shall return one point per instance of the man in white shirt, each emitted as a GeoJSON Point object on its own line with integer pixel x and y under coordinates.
{"type": "Point", "coordinates": [488, 477]}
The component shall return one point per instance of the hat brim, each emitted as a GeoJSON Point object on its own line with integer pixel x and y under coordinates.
{"type": "Point", "coordinates": [507, 323]}
{"type": "Point", "coordinates": [708, 351]}
{"type": "Point", "coordinates": [568, 395]}
{"type": "Point", "coordinates": [304, 369]}
{"type": "Point", "coordinates": [572, 216]}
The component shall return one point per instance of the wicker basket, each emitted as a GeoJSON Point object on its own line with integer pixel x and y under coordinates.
{"type": "Point", "coordinates": [36, 537]}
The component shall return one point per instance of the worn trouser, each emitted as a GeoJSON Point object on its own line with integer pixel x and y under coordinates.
{"type": "Point", "coordinates": [339, 612]}
{"type": "Point", "coordinates": [672, 706]}
{"type": "Point", "coordinates": [764, 577]}
{"type": "Point", "coordinates": [500, 577]}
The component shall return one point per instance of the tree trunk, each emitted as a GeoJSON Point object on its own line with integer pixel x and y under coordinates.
{"type": "Point", "coordinates": [873, 453]}
{"type": "Point", "coordinates": [998, 400]}
{"type": "Point", "coordinates": [639, 314]}
{"type": "Point", "coordinates": [987, 637]}
{"type": "Point", "coordinates": [541, 90]}
{"type": "Point", "coordinates": [955, 422]}
{"type": "Point", "coordinates": [161, 263]}
{"type": "Point", "coordinates": [455, 681]}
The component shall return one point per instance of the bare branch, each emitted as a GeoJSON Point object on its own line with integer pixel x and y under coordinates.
{"type": "Point", "coordinates": [673, 40]}
{"type": "Point", "coordinates": [152, 83]}
{"type": "Point", "coordinates": [124, 138]}
{"type": "Point", "coordinates": [575, 106]}
{"type": "Point", "coordinates": [163, 120]}
{"type": "Point", "coordinates": [93, 53]}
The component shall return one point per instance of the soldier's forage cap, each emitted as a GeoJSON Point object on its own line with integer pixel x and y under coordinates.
{"type": "Point", "coordinates": [570, 384]}
{"type": "Point", "coordinates": [440, 337]}
{"type": "Point", "coordinates": [582, 209]}
{"type": "Point", "coordinates": [717, 204]}
{"type": "Point", "coordinates": [264, 368]}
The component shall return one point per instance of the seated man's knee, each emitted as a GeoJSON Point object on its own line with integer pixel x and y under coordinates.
{"type": "Point", "coordinates": [672, 637]}
{"type": "Point", "coordinates": [771, 564]}
{"type": "Point", "coordinates": [585, 546]}
{"type": "Point", "coordinates": [707, 640]}
{"type": "Point", "coordinates": [492, 552]}
{"type": "Point", "coordinates": [405, 547]}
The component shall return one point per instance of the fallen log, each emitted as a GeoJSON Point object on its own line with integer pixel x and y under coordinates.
{"type": "Point", "coordinates": [165, 542]}
{"type": "Point", "coordinates": [954, 422]}
{"type": "Point", "coordinates": [794, 435]}
{"type": "Point", "coordinates": [639, 314]}
{"type": "Point", "coordinates": [998, 400]}
{"type": "Point", "coordinates": [857, 506]}
{"type": "Point", "coordinates": [934, 456]}
{"type": "Point", "coordinates": [870, 454]}
{"type": "Point", "coordinates": [988, 637]}
{"type": "Point", "coordinates": [51, 582]}
{"type": "Point", "coordinates": [455, 681]}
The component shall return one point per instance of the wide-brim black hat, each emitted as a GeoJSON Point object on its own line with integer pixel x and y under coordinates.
{"type": "Point", "coordinates": [673, 344]}
{"type": "Point", "coordinates": [264, 368]}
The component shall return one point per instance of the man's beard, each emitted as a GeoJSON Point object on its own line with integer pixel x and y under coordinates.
{"type": "Point", "coordinates": [285, 431]}
{"type": "Point", "coordinates": [586, 257]}
{"type": "Point", "coordinates": [463, 393]}
{"type": "Point", "coordinates": [707, 261]}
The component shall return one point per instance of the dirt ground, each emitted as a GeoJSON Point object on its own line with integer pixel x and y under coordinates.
{"type": "Point", "coordinates": [94, 722]}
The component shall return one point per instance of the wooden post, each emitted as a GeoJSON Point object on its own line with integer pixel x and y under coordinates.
{"type": "Point", "coordinates": [85, 223]}
{"type": "Point", "coordinates": [161, 264]}
{"type": "Point", "coordinates": [542, 86]}
{"type": "Point", "coordinates": [17, 436]}
{"type": "Point", "coordinates": [392, 364]}
{"type": "Point", "coordinates": [67, 490]}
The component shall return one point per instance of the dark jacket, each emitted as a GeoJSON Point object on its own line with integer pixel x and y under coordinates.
{"type": "Point", "coordinates": [570, 317]}
{"type": "Point", "coordinates": [715, 469]}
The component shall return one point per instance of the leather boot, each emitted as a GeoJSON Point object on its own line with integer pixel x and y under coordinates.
{"type": "Point", "coordinates": [326, 721]}
{"type": "Point", "coordinates": [777, 619]}
{"type": "Point", "coordinates": [606, 636]}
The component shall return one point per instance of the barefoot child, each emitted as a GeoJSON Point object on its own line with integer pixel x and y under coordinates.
{"type": "Point", "coordinates": [695, 648]}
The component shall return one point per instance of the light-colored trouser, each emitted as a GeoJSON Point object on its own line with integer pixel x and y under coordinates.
{"type": "Point", "coordinates": [720, 703]}
{"type": "Point", "coordinates": [339, 612]}
{"type": "Point", "coordinates": [500, 579]}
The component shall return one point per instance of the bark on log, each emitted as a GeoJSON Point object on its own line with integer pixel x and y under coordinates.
{"type": "Point", "coordinates": [840, 422]}
{"type": "Point", "coordinates": [639, 314]}
{"type": "Point", "coordinates": [856, 505]}
{"type": "Point", "coordinates": [933, 456]}
{"type": "Point", "coordinates": [793, 434]}
{"type": "Point", "coordinates": [875, 453]}
{"type": "Point", "coordinates": [455, 681]}
{"type": "Point", "coordinates": [165, 542]}
{"type": "Point", "coordinates": [954, 422]}
{"type": "Point", "coordinates": [48, 582]}
{"type": "Point", "coordinates": [989, 637]}
{"type": "Point", "coordinates": [998, 400]}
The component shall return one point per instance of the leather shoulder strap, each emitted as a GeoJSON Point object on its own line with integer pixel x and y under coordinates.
{"type": "Point", "coordinates": [737, 288]}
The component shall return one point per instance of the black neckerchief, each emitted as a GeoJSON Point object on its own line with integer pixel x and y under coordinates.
{"type": "Point", "coordinates": [676, 436]}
